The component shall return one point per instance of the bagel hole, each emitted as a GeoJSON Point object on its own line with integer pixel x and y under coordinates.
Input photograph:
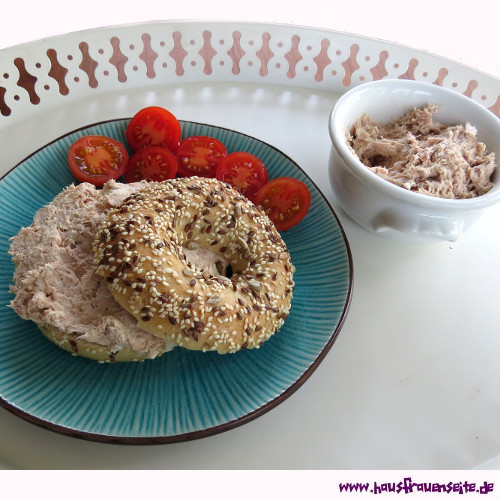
{"type": "Point", "coordinates": [224, 269]}
{"type": "Point", "coordinates": [208, 261]}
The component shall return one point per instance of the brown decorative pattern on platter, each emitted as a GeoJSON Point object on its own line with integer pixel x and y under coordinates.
{"type": "Point", "coordinates": [44, 72]}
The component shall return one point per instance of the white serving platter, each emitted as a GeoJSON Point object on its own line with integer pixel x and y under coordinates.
{"type": "Point", "coordinates": [412, 381]}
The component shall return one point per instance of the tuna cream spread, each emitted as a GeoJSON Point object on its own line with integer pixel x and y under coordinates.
{"type": "Point", "coordinates": [423, 155]}
{"type": "Point", "coordinates": [56, 285]}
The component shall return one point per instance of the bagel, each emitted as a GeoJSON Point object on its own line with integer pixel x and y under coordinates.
{"type": "Point", "coordinates": [56, 286]}
{"type": "Point", "coordinates": [198, 264]}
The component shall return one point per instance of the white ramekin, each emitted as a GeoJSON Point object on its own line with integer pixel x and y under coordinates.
{"type": "Point", "coordinates": [383, 207]}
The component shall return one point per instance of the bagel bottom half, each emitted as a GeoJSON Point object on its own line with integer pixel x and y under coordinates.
{"type": "Point", "coordinates": [77, 346]}
{"type": "Point", "coordinates": [56, 285]}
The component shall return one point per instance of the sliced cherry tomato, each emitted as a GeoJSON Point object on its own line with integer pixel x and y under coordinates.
{"type": "Point", "coordinates": [199, 155]}
{"type": "Point", "coordinates": [151, 164]}
{"type": "Point", "coordinates": [97, 159]}
{"type": "Point", "coordinates": [285, 200]}
{"type": "Point", "coordinates": [243, 171]}
{"type": "Point", "coordinates": [153, 126]}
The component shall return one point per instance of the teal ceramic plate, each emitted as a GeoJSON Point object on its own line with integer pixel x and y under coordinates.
{"type": "Point", "coordinates": [184, 394]}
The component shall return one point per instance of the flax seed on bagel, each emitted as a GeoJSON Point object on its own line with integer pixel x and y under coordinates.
{"type": "Point", "coordinates": [198, 264]}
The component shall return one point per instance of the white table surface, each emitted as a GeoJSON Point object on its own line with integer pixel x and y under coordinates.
{"type": "Point", "coordinates": [419, 292]}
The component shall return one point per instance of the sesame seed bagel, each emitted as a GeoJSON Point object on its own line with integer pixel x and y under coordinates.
{"type": "Point", "coordinates": [198, 264]}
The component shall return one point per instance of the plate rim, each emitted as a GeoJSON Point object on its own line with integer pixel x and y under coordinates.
{"type": "Point", "coordinates": [231, 424]}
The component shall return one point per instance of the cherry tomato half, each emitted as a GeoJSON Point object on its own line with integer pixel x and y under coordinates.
{"type": "Point", "coordinates": [199, 155]}
{"type": "Point", "coordinates": [153, 126]}
{"type": "Point", "coordinates": [151, 164]}
{"type": "Point", "coordinates": [97, 159]}
{"type": "Point", "coordinates": [285, 200]}
{"type": "Point", "coordinates": [243, 171]}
